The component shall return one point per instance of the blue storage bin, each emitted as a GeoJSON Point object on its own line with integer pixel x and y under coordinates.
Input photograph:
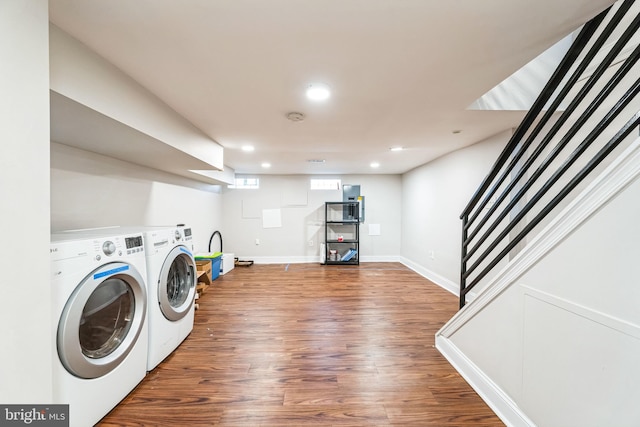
{"type": "Point", "coordinates": [215, 267]}
{"type": "Point", "coordinates": [215, 259]}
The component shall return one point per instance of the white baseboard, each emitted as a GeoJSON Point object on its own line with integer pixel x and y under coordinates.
{"type": "Point", "coordinates": [288, 259]}
{"type": "Point", "coordinates": [441, 281]}
{"type": "Point", "coordinates": [283, 259]}
{"type": "Point", "coordinates": [380, 258]}
{"type": "Point", "coordinates": [505, 408]}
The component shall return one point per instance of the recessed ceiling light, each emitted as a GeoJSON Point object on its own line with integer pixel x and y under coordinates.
{"type": "Point", "coordinates": [396, 148]}
{"type": "Point", "coordinates": [266, 165]}
{"type": "Point", "coordinates": [316, 160]}
{"type": "Point", "coordinates": [318, 92]}
{"type": "Point", "coordinates": [375, 165]}
{"type": "Point", "coordinates": [248, 148]}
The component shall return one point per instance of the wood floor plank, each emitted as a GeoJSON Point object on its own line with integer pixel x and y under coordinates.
{"type": "Point", "coordinates": [311, 345]}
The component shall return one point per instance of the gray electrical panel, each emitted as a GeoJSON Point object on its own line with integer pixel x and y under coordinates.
{"type": "Point", "coordinates": [351, 193]}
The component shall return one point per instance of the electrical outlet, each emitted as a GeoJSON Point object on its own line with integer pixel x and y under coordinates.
{"type": "Point", "coordinates": [432, 254]}
{"type": "Point", "coordinates": [310, 242]}
{"type": "Point", "coordinates": [257, 241]}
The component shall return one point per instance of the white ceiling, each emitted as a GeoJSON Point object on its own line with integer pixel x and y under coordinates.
{"type": "Point", "coordinates": [402, 72]}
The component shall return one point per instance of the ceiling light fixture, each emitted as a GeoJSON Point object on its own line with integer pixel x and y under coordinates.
{"type": "Point", "coordinates": [248, 148]}
{"type": "Point", "coordinates": [316, 160]}
{"type": "Point", "coordinates": [294, 116]}
{"type": "Point", "coordinates": [266, 165]}
{"type": "Point", "coordinates": [396, 148]}
{"type": "Point", "coordinates": [375, 165]}
{"type": "Point", "coordinates": [318, 92]}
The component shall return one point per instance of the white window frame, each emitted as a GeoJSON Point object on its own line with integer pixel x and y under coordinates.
{"type": "Point", "coordinates": [325, 184]}
{"type": "Point", "coordinates": [245, 183]}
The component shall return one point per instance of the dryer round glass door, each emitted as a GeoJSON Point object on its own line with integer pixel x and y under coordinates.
{"type": "Point", "coordinates": [177, 284]}
{"type": "Point", "coordinates": [102, 320]}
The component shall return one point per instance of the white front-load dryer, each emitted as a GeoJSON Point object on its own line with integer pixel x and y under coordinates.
{"type": "Point", "coordinates": [171, 278]}
{"type": "Point", "coordinates": [99, 307]}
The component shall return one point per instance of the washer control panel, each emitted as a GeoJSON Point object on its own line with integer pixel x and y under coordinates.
{"type": "Point", "coordinates": [66, 247]}
{"type": "Point", "coordinates": [118, 246]}
{"type": "Point", "coordinates": [183, 234]}
{"type": "Point", "coordinates": [134, 244]}
{"type": "Point", "coordinates": [108, 247]}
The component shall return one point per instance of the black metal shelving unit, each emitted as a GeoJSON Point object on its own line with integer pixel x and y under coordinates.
{"type": "Point", "coordinates": [342, 233]}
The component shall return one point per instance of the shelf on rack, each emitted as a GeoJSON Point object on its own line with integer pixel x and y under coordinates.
{"type": "Point", "coordinates": [342, 218]}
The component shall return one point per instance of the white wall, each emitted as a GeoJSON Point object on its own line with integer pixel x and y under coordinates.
{"type": "Point", "coordinates": [91, 190]}
{"type": "Point", "coordinates": [434, 196]}
{"type": "Point", "coordinates": [94, 190]}
{"type": "Point", "coordinates": [302, 215]}
{"type": "Point", "coordinates": [26, 355]}
{"type": "Point", "coordinates": [83, 76]}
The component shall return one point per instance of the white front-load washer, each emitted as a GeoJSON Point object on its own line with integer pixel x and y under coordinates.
{"type": "Point", "coordinates": [171, 279]}
{"type": "Point", "coordinates": [99, 307]}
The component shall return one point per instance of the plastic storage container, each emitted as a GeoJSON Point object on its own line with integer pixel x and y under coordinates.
{"type": "Point", "coordinates": [215, 267]}
{"type": "Point", "coordinates": [215, 258]}
{"type": "Point", "coordinates": [228, 263]}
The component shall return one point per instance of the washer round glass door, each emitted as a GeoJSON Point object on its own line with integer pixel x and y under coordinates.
{"type": "Point", "coordinates": [177, 284]}
{"type": "Point", "coordinates": [102, 320]}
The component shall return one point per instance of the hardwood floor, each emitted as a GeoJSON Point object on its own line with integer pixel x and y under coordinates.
{"type": "Point", "coordinates": [311, 345]}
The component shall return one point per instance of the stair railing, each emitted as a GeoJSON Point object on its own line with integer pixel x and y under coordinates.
{"type": "Point", "coordinates": [588, 108]}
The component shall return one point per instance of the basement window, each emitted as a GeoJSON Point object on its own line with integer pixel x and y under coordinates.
{"type": "Point", "coordinates": [246, 183]}
{"type": "Point", "coordinates": [325, 184]}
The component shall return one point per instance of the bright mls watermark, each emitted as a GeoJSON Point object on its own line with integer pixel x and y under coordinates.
{"type": "Point", "coordinates": [34, 415]}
